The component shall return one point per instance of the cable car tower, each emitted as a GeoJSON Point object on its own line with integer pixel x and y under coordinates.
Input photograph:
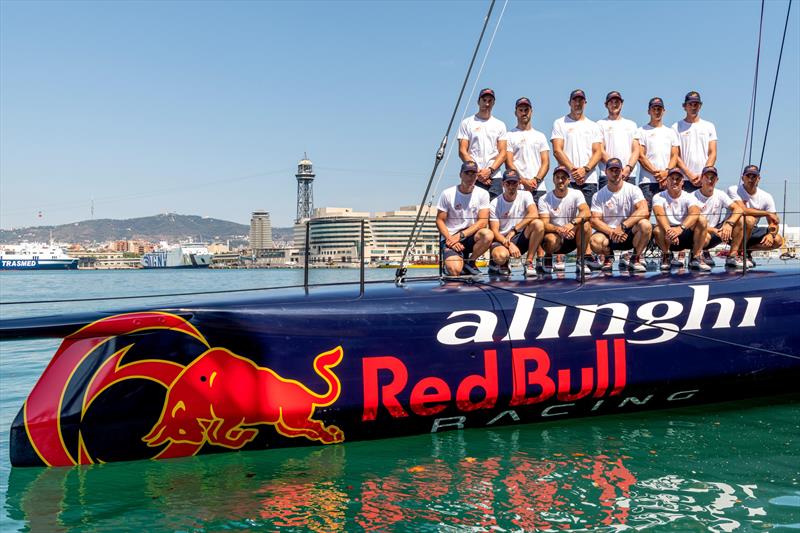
{"type": "Point", "coordinates": [305, 189]}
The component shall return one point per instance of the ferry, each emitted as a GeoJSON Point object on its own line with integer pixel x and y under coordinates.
{"type": "Point", "coordinates": [180, 256]}
{"type": "Point", "coordinates": [36, 256]}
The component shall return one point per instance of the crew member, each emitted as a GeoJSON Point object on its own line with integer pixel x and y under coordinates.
{"type": "Point", "coordinates": [578, 145]}
{"type": "Point", "coordinates": [679, 224]}
{"type": "Point", "coordinates": [463, 214]}
{"type": "Point", "coordinates": [514, 222]}
{"type": "Point", "coordinates": [482, 139]}
{"type": "Point", "coordinates": [620, 218]}
{"type": "Point", "coordinates": [620, 140]}
{"type": "Point", "coordinates": [564, 214]}
{"type": "Point", "coordinates": [755, 204]}
{"type": "Point", "coordinates": [698, 140]}
{"type": "Point", "coordinates": [528, 152]}
{"type": "Point", "coordinates": [660, 147]}
{"type": "Point", "coordinates": [714, 204]}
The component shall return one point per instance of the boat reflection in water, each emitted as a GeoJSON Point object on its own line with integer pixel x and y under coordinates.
{"type": "Point", "coordinates": [607, 474]}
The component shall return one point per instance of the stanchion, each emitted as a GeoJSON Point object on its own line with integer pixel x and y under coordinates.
{"type": "Point", "coordinates": [745, 237]}
{"type": "Point", "coordinates": [361, 278]}
{"type": "Point", "coordinates": [581, 254]}
{"type": "Point", "coordinates": [305, 262]}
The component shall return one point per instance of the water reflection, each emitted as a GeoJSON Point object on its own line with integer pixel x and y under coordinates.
{"type": "Point", "coordinates": [605, 474]}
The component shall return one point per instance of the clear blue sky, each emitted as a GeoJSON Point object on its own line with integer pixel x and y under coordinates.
{"type": "Point", "coordinates": [206, 107]}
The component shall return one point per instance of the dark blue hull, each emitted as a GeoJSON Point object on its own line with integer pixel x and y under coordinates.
{"type": "Point", "coordinates": [292, 368]}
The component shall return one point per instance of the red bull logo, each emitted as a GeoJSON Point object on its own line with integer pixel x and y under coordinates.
{"type": "Point", "coordinates": [218, 399]}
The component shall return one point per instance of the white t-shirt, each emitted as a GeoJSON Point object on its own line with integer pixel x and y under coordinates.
{"type": "Point", "coordinates": [676, 209]}
{"type": "Point", "coordinates": [760, 200]}
{"type": "Point", "coordinates": [462, 209]}
{"type": "Point", "coordinates": [617, 206]}
{"type": "Point", "coordinates": [562, 211]}
{"type": "Point", "coordinates": [578, 136]}
{"type": "Point", "coordinates": [618, 136]}
{"type": "Point", "coordinates": [509, 213]}
{"type": "Point", "coordinates": [527, 146]}
{"type": "Point", "coordinates": [714, 207]}
{"type": "Point", "coordinates": [657, 144]}
{"type": "Point", "coordinates": [483, 136]}
{"type": "Point", "coordinates": [694, 138]}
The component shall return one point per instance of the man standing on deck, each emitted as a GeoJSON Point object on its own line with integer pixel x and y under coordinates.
{"type": "Point", "coordinates": [679, 224]}
{"type": "Point", "coordinates": [463, 214]}
{"type": "Point", "coordinates": [698, 140]}
{"type": "Point", "coordinates": [755, 203]}
{"type": "Point", "coordinates": [528, 152]}
{"type": "Point", "coordinates": [514, 222]}
{"type": "Point", "coordinates": [565, 219]}
{"type": "Point", "coordinates": [620, 140]}
{"type": "Point", "coordinates": [660, 148]}
{"type": "Point", "coordinates": [714, 203]}
{"type": "Point", "coordinates": [620, 219]}
{"type": "Point", "coordinates": [482, 139]}
{"type": "Point", "coordinates": [578, 146]}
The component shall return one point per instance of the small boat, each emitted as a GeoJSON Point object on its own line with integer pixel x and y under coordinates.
{"type": "Point", "coordinates": [328, 364]}
{"type": "Point", "coordinates": [36, 256]}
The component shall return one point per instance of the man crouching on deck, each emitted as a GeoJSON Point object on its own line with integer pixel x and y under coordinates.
{"type": "Point", "coordinates": [619, 216]}
{"type": "Point", "coordinates": [514, 222]}
{"type": "Point", "coordinates": [679, 224]}
{"type": "Point", "coordinates": [461, 220]}
{"type": "Point", "coordinates": [565, 216]}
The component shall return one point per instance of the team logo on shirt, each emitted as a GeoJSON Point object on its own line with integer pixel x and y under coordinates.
{"type": "Point", "coordinates": [459, 207]}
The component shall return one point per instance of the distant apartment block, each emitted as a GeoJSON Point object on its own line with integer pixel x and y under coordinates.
{"type": "Point", "coordinates": [335, 235]}
{"type": "Point", "coordinates": [260, 231]}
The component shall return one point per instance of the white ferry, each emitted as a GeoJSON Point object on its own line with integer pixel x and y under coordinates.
{"type": "Point", "coordinates": [179, 256]}
{"type": "Point", "coordinates": [35, 256]}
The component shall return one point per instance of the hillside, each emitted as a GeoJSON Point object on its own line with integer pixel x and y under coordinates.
{"type": "Point", "coordinates": [167, 227]}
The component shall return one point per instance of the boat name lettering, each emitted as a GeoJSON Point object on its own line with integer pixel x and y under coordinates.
{"type": "Point", "coordinates": [653, 322]}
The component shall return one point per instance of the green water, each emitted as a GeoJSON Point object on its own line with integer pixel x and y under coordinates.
{"type": "Point", "coordinates": [723, 467]}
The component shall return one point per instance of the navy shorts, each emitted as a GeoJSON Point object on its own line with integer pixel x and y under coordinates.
{"type": "Point", "coordinates": [495, 189]}
{"type": "Point", "coordinates": [627, 244]}
{"type": "Point", "coordinates": [588, 190]}
{"type": "Point", "coordinates": [688, 186]}
{"type": "Point", "coordinates": [715, 240]}
{"type": "Point", "coordinates": [520, 240]}
{"type": "Point", "coordinates": [468, 242]}
{"type": "Point", "coordinates": [685, 241]}
{"type": "Point", "coordinates": [649, 190]}
{"type": "Point", "coordinates": [758, 233]}
{"type": "Point", "coordinates": [536, 195]}
{"type": "Point", "coordinates": [568, 245]}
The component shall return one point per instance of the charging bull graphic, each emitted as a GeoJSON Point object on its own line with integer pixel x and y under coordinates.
{"type": "Point", "coordinates": [219, 398]}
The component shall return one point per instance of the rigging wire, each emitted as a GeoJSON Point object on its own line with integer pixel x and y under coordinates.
{"type": "Point", "coordinates": [443, 145]}
{"type": "Point", "coordinates": [751, 115]}
{"type": "Point", "coordinates": [774, 85]}
{"type": "Point", "coordinates": [417, 231]}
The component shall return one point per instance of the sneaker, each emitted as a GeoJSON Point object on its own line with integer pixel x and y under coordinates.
{"type": "Point", "coordinates": [504, 270]}
{"type": "Point", "coordinates": [676, 262]}
{"type": "Point", "coordinates": [697, 263]}
{"type": "Point", "coordinates": [608, 264]}
{"type": "Point", "coordinates": [493, 268]}
{"type": "Point", "coordinates": [471, 270]}
{"type": "Point", "coordinates": [559, 264]}
{"type": "Point", "coordinates": [734, 261]}
{"type": "Point", "coordinates": [586, 269]}
{"type": "Point", "coordinates": [707, 259]}
{"type": "Point", "coordinates": [635, 264]}
{"type": "Point", "coordinates": [547, 264]}
{"type": "Point", "coordinates": [593, 262]}
{"type": "Point", "coordinates": [750, 262]}
{"type": "Point", "coordinates": [666, 261]}
{"type": "Point", "coordinates": [625, 261]}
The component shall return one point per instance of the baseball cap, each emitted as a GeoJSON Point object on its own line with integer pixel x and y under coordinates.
{"type": "Point", "coordinates": [577, 93]}
{"type": "Point", "coordinates": [674, 170]}
{"type": "Point", "coordinates": [712, 169]}
{"type": "Point", "coordinates": [510, 175]}
{"type": "Point", "coordinates": [613, 94]}
{"type": "Point", "coordinates": [751, 169]}
{"type": "Point", "coordinates": [692, 96]}
{"type": "Point", "coordinates": [523, 101]}
{"type": "Point", "coordinates": [654, 102]}
{"type": "Point", "coordinates": [614, 163]}
{"type": "Point", "coordinates": [561, 168]}
{"type": "Point", "coordinates": [469, 165]}
{"type": "Point", "coordinates": [486, 91]}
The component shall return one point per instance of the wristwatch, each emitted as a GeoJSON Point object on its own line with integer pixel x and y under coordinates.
{"type": "Point", "coordinates": [683, 227]}
{"type": "Point", "coordinates": [623, 226]}
{"type": "Point", "coordinates": [587, 169]}
{"type": "Point", "coordinates": [461, 235]}
{"type": "Point", "coordinates": [728, 222]}
{"type": "Point", "coordinates": [628, 166]}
